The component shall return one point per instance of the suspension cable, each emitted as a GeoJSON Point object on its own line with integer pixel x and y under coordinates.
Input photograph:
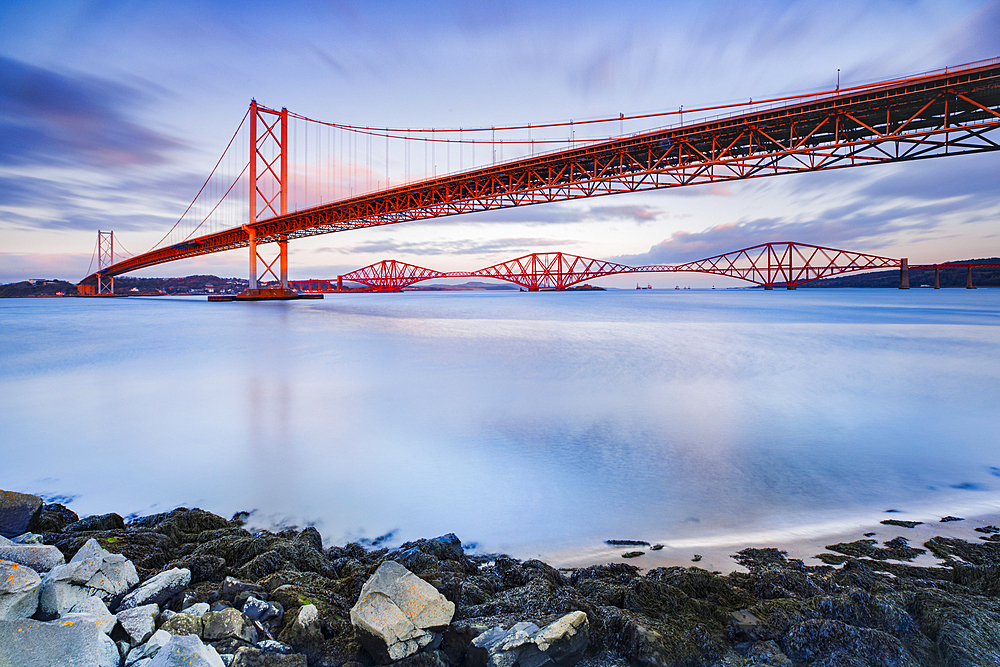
{"type": "Point", "coordinates": [203, 185]}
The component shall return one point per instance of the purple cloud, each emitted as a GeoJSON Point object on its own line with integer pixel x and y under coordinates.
{"type": "Point", "coordinates": [50, 118]}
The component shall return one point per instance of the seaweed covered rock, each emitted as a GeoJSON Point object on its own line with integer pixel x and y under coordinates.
{"type": "Point", "coordinates": [96, 523]}
{"type": "Point", "coordinates": [52, 518]}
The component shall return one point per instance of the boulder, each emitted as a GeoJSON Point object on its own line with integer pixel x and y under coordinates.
{"type": "Point", "coordinates": [228, 624]}
{"type": "Point", "coordinates": [29, 538]}
{"type": "Point", "coordinates": [157, 589]}
{"type": "Point", "coordinates": [397, 613]}
{"type": "Point", "coordinates": [186, 651]}
{"type": "Point", "coordinates": [148, 650]}
{"type": "Point", "coordinates": [271, 646]}
{"type": "Point", "coordinates": [231, 587]}
{"type": "Point", "coordinates": [138, 623]}
{"type": "Point", "coordinates": [559, 644]}
{"type": "Point", "coordinates": [183, 624]}
{"type": "Point", "coordinates": [268, 614]}
{"type": "Point", "coordinates": [16, 512]}
{"type": "Point", "coordinates": [73, 640]}
{"type": "Point", "coordinates": [39, 557]}
{"type": "Point", "coordinates": [95, 607]}
{"type": "Point", "coordinates": [91, 572]}
{"type": "Point", "coordinates": [198, 609]}
{"type": "Point", "coordinates": [98, 522]}
{"type": "Point", "coordinates": [52, 519]}
{"type": "Point", "coordinates": [253, 657]}
{"type": "Point", "coordinates": [19, 588]}
{"type": "Point", "coordinates": [304, 631]}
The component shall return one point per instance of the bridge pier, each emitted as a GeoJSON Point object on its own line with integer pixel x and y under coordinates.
{"type": "Point", "coordinates": [283, 261]}
{"type": "Point", "coordinates": [768, 286]}
{"type": "Point", "coordinates": [252, 233]}
{"type": "Point", "coordinates": [904, 274]}
{"type": "Point", "coordinates": [790, 286]}
{"type": "Point", "coordinates": [937, 277]}
{"type": "Point", "coordinates": [968, 280]}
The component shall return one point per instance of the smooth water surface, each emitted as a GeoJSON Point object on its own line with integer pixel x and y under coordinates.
{"type": "Point", "coordinates": [513, 419]}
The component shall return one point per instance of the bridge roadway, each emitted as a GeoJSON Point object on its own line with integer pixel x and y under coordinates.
{"type": "Point", "coordinates": [943, 113]}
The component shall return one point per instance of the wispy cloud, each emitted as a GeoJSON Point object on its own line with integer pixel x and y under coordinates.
{"type": "Point", "coordinates": [556, 213]}
{"type": "Point", "coordinates": [51, 118]}
{"type": "Point", "coordinates": [864, 224]}
{"type": "Point", "coordinates": [390, 248]}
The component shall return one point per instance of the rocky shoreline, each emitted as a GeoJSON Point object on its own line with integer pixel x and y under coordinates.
{"type": "Point", "coordinates": [188, 587]}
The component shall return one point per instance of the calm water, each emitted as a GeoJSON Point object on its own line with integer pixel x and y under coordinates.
{"type": "Point", "coordinates": [515, 420]}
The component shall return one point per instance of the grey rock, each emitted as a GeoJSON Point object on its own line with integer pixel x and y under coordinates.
{"type": "Point", "coordinates": [167, 614]}
{"type": "Point", "coordinates": [39, 557]}
{"type": "Point", "coordinates": [228, 624]}
{"type": "Point", "coordinates": [91, 572]}
{"type": "Point", "coordinates": [74, 641]}
{"type": "Point", "coordinates": [16, 512]}
{"type": "Point", "coordinates": [57, 597]}
{"type": "Point", "coordinates": [148, 650]}
{"type": "Point", "coordinates": [397, 613]}
{"type": "Point", "coordinates": [227, 658]}
{"type": "Point", "coordinates": [29, 538]}
{"type": "Point", "coordinates": [139, 623]}
{"type": "Point", "coordinates": [268, 614]}
{"type": "Point", "coordinates": [271, 646]}
{"type": "Point", "coordinates": [564, 640]}
{"type": "Point", "coordinates": [253, 657]}
{"type": "Point", "coordinates": [96, 608]}
{"type": "Point", "coordinates": [186, 651]}
{"type": "Point", "coordinates": [197, 609]}
{"type": "Point", "coordinates": [183, 624]}
{"type": "Point", "coordinates": [157, 589]}
{"type": "Point", "coordinates": [19, 589]}
{"type": "Point", "coordinates": [559, 644]}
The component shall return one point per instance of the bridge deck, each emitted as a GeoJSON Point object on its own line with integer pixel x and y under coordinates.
{"type": "Point", "coordinates": [939, 114]}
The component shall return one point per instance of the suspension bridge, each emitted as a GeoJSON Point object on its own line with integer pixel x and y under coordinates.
{"type": "Point", "coordinates": [285, 176]}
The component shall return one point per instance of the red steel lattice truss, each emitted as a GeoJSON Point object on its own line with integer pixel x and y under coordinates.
{"type": "Point", "coordinates": [785, 264]}
{"type": "Point", "coordinates": [940, 114]}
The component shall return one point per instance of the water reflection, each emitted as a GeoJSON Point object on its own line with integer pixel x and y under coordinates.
{"type": "Point", "coordinates": [513, 420]}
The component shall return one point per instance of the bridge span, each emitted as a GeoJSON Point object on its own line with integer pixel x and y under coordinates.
{"type": "Point", "coordinates": [769, 265]}
{"type": "Point", "coordinates": [943, 113]}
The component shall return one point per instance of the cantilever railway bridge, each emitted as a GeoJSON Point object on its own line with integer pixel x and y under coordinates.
{"type": "Point", "coordinates": [769, 265]}
{"type": "Point", "coordinates": [938, 114]}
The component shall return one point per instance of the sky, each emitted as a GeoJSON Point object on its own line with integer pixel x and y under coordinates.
{"type": "Point", "coordinates": [113, 113]}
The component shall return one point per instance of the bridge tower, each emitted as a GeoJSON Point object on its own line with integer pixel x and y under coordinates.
{"type": "Point", "coordinates": [105, 258]}
{"type": "Point", "coordinates": [269, 186]}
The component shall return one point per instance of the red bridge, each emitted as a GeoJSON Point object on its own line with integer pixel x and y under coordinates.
{"type": "Point", "coordinates": [770, 265]}
{"type": "Point", "coordinates": [942, 113]}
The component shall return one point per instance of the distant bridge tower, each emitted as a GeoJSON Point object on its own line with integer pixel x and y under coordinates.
{"type": "Point", "coordinates": [268, 185]}
{"type": "Point", "coordinates": [105, 258]}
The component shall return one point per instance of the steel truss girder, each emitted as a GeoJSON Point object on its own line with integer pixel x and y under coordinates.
{"type": "Point", "coordinates": [937, 115]}
{"type": "Point", "coordinates": [781, 264]}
